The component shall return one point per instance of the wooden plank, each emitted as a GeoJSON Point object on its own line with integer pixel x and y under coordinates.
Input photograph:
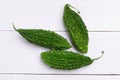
{"type": "Point", "coordinates": [57, 77]}
{"type": "Point", "coordinates": [19, 56]}
{"type": "Point", "coordinates": [102, 15]}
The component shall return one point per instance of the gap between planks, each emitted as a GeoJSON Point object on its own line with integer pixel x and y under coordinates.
{"type": "Point", "coordinates": [59, 74]}
{"type": "Point", "coordinates": [66, 31]}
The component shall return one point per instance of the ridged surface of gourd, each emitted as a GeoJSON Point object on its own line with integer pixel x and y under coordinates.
{"type": "Point", "coordinates": [65, 60]}
{"type": "Point", "coordinates": [76, 29]}
{"type": "Point", "coordinates": [44, 38]}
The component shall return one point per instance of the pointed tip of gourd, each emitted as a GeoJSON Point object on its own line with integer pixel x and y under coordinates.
{"type": "Point", "coordinates": [73, 8]}
{"type": "Point", "coordinates": [83, 50]}
{"type": "Point", "coordinates": [102, 53]}
{"type": "Point", "coordinates": [67, 4]}
{"type": "Point", "coordinates": [14, 26]}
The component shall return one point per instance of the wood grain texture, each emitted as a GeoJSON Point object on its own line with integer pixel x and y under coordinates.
{"type": "Point", "coordinates": [19, 56]}
{"type": "Point", "coordinates": [100, 15]}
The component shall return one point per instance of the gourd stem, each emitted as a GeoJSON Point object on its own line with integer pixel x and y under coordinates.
{"type": "Point", "coordinates": [14, 26]}
{"type": "Point", "coordinates": [99, 56]}
{"type": "Point", "coordinates": [74, 8]}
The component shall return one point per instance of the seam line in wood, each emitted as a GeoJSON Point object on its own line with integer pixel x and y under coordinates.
{"type": "Point", "coordinates": [67, 31]}
{"type": "Point", "coordinates": [59, 74]}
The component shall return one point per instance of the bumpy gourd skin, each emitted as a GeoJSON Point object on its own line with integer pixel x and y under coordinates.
{"type": "Point", "coordinates": [76, 29]}
{"type": "Point", "coordinates": [65, 60]}
{"type": "Point", "coordinates": [44, 38]}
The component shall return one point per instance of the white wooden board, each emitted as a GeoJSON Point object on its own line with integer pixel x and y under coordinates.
{"type": "Point", "coordinates": [98, 15]}
{"type": "Point", "coordinates": [57, 77]}
{"type": "Point", "coordinates": [20, 60]}
{"type": "Point", "coordinates": [19, 56]}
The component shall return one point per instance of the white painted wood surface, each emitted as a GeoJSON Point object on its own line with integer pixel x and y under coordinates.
{"type": "Point", "coordinates": [47, 14]}
{"type": "Point", "coordinates": [19, 56]}
{"type": "Point", "coordinates": [20, 60]}
{"type": "Point", "coordinates": [57, 77]}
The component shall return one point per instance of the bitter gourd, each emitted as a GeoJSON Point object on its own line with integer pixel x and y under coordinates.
{"type": "Point", "coordinates": [65, 60]}
{"type": "Point", "coordinates": [76, 28]}
{"type": "Point", "coordinates": [44, 38]}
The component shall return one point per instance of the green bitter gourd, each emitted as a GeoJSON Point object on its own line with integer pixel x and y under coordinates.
{"type": "Point", "coordinates": [76, 29]}
{"type": "Point", "coordinates": [44, 38]}
{"type": "Point", "coordinates": [65, 60]}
